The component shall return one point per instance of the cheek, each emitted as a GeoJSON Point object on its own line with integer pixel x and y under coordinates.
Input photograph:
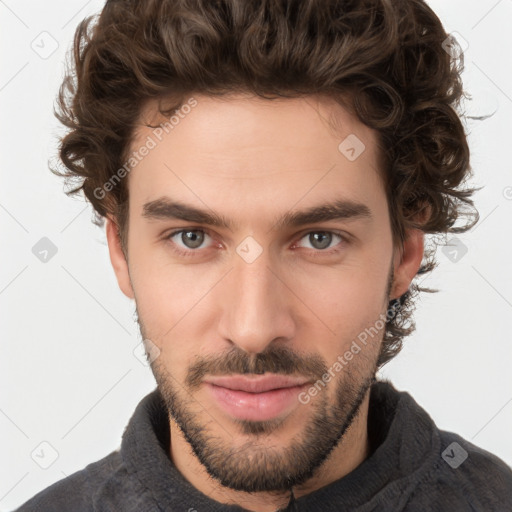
{"type": "Point", "coordinates": [172, 304]}
{"type": "Point", "coordinates": [350, 302]}
{"type": "Point", "coordinates": [164, 295]}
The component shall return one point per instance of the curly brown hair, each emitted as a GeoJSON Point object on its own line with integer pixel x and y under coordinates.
{"type": "Point", "coordinates": [387, 56]}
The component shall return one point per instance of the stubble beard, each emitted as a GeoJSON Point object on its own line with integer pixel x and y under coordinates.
{"type": "Point", "coordinates": [252, 466]}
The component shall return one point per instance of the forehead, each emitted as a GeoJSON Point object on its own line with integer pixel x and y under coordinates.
{"type": "Point", "coordinates": [256, 151]}
{"type": "Point", "coordinates": [247, 115]}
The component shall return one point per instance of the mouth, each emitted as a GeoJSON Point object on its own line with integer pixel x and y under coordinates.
{"type": "Point", "coordinates": [258, 398]}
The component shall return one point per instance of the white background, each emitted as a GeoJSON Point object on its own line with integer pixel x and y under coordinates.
{"type": "Point", "coordinates": [68, 374]}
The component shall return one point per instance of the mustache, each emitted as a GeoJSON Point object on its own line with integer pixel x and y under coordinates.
{"type": "Point", "coordinates": [275, 359]}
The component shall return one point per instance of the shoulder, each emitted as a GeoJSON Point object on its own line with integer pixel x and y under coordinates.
{"type": "Point", "coordinates": [77, 491]}
{"type": "Point", "coordinates": [466, 478]}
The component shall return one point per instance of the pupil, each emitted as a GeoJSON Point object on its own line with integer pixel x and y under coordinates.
{"type": "Point", "coordinates": [192, 239]}
{"type": "Point", "coordinates": [324, 242]}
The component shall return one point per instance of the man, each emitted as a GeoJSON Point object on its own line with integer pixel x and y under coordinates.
{"type": "Point", "coordinates": [267, 171]}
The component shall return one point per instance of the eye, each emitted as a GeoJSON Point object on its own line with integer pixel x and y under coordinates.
{"type": "Point", "coordinates": [187, 240]}
{"type": "Point", "coordinates": [322, 240]}
{"type": "Point", "coordinates": [191, 242]}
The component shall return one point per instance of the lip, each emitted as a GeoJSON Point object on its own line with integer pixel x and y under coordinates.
{"type": "Point", "coordinates": [257, 398]}
{"type": "Point", "coordinates": [258, 384]}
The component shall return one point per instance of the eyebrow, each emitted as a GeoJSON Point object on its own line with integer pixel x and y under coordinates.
{"type": "Point", "coordinates": [342, 209]}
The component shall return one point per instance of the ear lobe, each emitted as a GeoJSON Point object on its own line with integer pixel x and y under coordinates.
{"type": "Point", "coordinates": [117, 258]}
{"type": "Point", "coordinates": [407, 262]}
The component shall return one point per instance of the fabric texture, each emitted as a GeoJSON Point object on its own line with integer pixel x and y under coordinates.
{"type": "Point", "coordinates": [413, 467]}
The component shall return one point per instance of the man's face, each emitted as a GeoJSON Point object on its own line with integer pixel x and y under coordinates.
{"type": "Point", "coordinates": [259, 296]}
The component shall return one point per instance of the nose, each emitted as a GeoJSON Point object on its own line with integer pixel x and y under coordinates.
{"type": "Point", "coordinates": [257, 304]}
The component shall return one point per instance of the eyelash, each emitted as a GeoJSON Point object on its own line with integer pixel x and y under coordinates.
{"type": "Point", "coordinates": [190, 253]}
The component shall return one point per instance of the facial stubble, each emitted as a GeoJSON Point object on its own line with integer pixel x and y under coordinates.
{"type": "Point", "coordinates": [253, 466]}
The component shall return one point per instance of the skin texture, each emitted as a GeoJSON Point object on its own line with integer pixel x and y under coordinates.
{"type": "Point", "coordinates": [293, 310]}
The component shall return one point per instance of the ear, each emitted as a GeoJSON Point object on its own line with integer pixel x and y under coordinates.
{"type": "Point", "coordinates": [117, 258]}
{"type": "Point", "coordinates": [407, 261]}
